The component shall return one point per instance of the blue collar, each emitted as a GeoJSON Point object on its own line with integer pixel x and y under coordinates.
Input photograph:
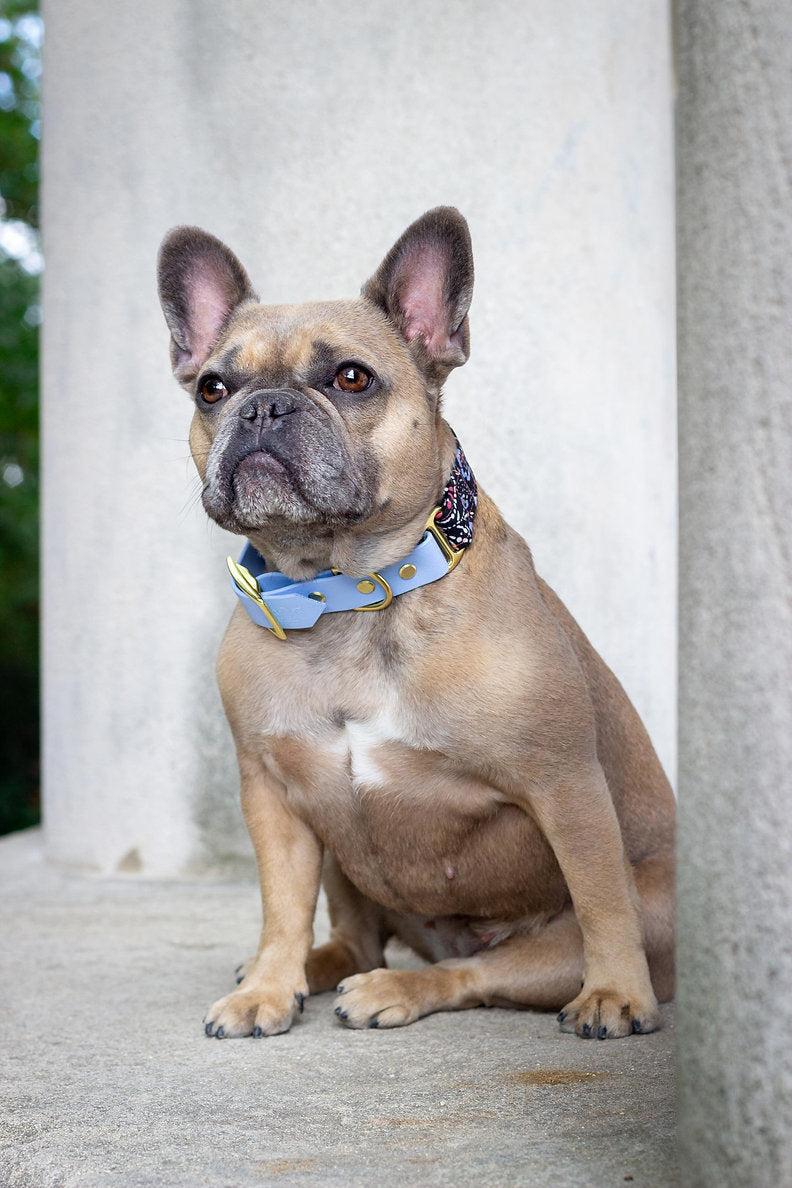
{"type": "Point", "coordinates": [276, 602]}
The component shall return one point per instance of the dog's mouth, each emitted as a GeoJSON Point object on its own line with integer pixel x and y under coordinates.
{"type": "Point", "coordinates": [260, 464]}
{"type": "Point", "coordinates": [264, 484]}
{"type": "Point", "coordinates": [265, 479]}
{"type": "Point", "coordinates": [295, 481]}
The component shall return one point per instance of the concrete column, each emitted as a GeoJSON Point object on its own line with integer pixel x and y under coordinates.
{"type": "Point", "coordinates": [735, 426]}
{"type": "Point", "coordinates": [308, 135]}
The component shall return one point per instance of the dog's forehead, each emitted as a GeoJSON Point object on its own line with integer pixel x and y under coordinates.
{"type": "Point", "coordinates": [296, 337]}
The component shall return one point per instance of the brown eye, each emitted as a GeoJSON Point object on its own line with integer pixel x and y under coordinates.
{"type": "Point", "coordinates": [213, 389]}
{"type": "Point", "coordinates": [351, 378]}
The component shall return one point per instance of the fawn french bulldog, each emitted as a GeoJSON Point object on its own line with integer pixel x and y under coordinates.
{"type": "Point", "coordinates": [419, 721]}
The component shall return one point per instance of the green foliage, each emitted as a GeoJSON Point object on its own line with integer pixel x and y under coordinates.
{"type": "Point", "coordinates": [19, 102]}
{"type": "Point", "coordinates": [19, 317]}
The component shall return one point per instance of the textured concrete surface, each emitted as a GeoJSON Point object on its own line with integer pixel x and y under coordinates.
{"type": "Point", "coordinates": [308, 135]}
{"type": "Point", "coordinates": [735, 372]}
{"type": "Point", "coordinates": [107, 1080]}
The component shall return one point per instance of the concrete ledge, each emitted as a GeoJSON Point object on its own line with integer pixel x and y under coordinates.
{"type": "Point", "coordinates": [108, 1080]}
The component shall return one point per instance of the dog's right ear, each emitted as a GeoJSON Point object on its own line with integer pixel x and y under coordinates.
{"type": "Point", "coordinates": [425, 286]}
{"type": "Point", "coordinates": [201, 283]}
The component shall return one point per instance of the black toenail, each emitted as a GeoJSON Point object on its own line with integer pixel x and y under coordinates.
{"type": "Point", "coordinates": [587, 1030]}
{"type": "Point", "coordinates": [257, 1032]}
{"type": "Point", "coordinates": [562, 1016]}
{"type": "Point", "coordinates": [603, 1031]}
{"type": "Point", "coordinates": [208, 1028]}
{"type": "Point", "coordinates": [338, 1010]}
{"type": "Point", "coordinates": [374, 1023]}
{"type": "Point", "coordinates": [300, 1001]}
{"type": "Point", "coordinates": [340, 988]}
{"type": "Point", "coordinates": [219, 1034]}
{"type": "Point", "coordinates": [637, 1025]}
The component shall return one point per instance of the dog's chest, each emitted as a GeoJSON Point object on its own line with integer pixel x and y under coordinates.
{"type": "Point", "coordinates": [359, 745]}
{"type": "Point", "coordinates": [411, 827]}
{"type": "Point", "coordinates": [354, 754]}
{"type": "Point", "coordinates": [388, 770]}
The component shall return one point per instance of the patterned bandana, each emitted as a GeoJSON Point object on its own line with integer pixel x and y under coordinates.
{"type": "Point", "coordinates": [458, 503]}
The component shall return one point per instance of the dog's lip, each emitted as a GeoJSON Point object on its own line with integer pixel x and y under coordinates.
{"type": "Point", "coordinates": [262, 460]}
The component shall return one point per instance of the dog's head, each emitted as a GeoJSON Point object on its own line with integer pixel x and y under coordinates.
{"type": "Point", "coordinates": [316, 430]}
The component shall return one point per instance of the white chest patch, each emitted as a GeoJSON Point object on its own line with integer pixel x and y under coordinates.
{"type": "Point", "coordinates": [358, 742]}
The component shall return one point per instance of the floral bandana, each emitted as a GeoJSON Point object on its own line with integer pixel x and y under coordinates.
{"type": "Point", "coordinates": [458, 503]}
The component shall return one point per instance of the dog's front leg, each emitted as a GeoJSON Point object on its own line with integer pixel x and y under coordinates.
{"type": "Point", "coordinates": [579, 821]}
{"type": "Point", "coordinates": [289, 857]}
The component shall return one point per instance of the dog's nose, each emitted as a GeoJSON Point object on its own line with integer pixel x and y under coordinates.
{"type": "Point", "coordinates": [268, 406]}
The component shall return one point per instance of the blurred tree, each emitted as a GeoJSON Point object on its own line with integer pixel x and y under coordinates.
{"type": "Point", "coordinates": [20, 265]}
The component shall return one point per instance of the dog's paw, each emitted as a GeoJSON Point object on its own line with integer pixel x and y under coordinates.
{"type": "Point", "coordinates": [256, 1012]}
{"type": "Point", "coordinates": [606, 1014]}
{"type": "Point", "coordinates": [381, 998]}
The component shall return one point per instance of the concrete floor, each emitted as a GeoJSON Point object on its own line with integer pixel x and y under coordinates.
{"type": "Point", "coordinates": [106, 1077]}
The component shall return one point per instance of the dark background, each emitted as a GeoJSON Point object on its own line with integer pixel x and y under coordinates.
{"type": "Point", "coordinates": [20, 315]}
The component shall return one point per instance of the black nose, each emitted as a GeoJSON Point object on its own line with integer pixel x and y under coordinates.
{"type": "Point", "coordinates": [268, 406]}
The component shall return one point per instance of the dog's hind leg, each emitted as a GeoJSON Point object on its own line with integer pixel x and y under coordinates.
{"type": "Point", "coordinates": [542, 970]}
{"type": "Point", "coordinates": [357, 933]}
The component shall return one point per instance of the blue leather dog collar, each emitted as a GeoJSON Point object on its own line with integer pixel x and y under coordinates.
{"type": "Point", "coordinates": [276, 602]}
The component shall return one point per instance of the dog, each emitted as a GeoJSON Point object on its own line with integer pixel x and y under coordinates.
{"type": "Point", "coordinates": [420, 724]}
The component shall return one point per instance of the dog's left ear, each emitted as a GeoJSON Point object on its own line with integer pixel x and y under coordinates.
{"type": "Point", "coordinates": [425, 285]}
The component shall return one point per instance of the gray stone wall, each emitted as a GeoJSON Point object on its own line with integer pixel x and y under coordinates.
{"type": "Point", "coordinates": [735, 434]}
{"type": "Point", "coordinates": [308, 135]}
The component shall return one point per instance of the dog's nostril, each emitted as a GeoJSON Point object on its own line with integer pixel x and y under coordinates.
{"type": "Point", "coordinates": [266, 408]}
{"type": "Point", "coordinates": [280, 408]}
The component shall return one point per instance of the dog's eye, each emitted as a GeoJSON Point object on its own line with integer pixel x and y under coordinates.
{"type": "Point", "coordinates": [213, 389]}
{"type": "Point", "coordinates": [351, 378]}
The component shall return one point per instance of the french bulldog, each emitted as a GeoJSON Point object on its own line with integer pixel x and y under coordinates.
{"type": "Point", "coordinates": [420, 724]}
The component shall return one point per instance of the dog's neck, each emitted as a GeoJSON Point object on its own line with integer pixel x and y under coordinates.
{"type": "Point", "coordinates": [280, 603]}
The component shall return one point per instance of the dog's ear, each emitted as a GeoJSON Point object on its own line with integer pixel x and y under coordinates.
{"type": "Point", "coordinates": [425, 285]}
{"type": "Point", "coordinates": [201, 283]}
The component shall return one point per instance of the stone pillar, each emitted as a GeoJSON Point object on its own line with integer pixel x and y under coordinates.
{"type": "Point", "coordinates": [735, 434]}
{"type": "Point", "coordinates": [308, 135]}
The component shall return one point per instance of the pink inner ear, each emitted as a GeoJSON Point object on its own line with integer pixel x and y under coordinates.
{"type": "Point", "coordinates": [422, 297]}
{"type": "Point", "coordinates": [211, 302]}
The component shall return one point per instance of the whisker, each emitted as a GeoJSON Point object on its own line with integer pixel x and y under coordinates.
{"type": "Point", "coordinates": [191, 502]}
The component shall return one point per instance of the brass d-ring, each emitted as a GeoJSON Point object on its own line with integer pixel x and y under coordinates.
{"type": "Point", "coordinates": [386, 601]}
{"type": "Point", "coordinates": [452, 555]}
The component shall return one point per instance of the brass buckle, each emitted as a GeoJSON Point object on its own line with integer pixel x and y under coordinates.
{"type": "Point", "coordinates": [386, 601]}
{"type": "Point", "coordinates": [244, 581]}
{"type": "Point", "coordinates": [453, 556]}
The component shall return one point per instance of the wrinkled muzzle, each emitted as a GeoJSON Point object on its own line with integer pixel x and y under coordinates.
{"type": "Point", "coordinates": [278, 455]}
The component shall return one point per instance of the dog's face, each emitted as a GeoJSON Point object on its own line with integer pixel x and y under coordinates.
{"type": "Point", "coordinates": [315, 426]}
